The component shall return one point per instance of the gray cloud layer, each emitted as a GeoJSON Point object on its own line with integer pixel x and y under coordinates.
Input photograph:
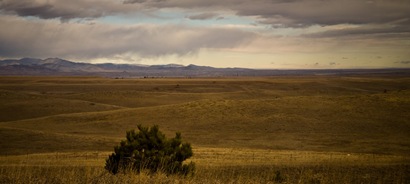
{"type": "Point", "coordinates": [300, 13]}
{"type": "Point", "coordinates": [368, 20]}
{"type": "Point", "coordinates": [278, 13]}
{"type": "Point", "coordinates": [44, 39]}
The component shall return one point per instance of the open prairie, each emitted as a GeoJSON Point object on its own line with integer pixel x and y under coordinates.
{"type": "Point", "coordinates": [307, 128]}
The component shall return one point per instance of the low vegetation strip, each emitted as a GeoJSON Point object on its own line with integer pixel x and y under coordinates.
{"type": "Point", "coordinates": [214, 165]}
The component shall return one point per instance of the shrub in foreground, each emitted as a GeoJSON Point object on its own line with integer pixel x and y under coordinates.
{"type": "Point", "coordinates": [149, 149]}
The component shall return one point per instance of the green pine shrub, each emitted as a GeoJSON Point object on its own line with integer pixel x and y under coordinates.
{"type": "Point", "coordinates": [149, 149]}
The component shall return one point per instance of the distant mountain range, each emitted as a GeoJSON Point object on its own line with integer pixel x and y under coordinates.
{"type": "Point", "coordinates": [61, 67]}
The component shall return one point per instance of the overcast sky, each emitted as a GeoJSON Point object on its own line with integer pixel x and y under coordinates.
{"type": "Point", "coordinates": [220, 33]}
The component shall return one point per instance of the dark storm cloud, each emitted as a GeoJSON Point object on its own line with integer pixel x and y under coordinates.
{"type": "Point", "coordinates": [389, 31]}
{"type": "Point", "coordinates": [403, 62]}
{"type": "Point", "coordinates": [278, 13]}
{"type": "Point", "coordinates": [331, 12]}
{"type": "Point", "coordinates": [45, 39]}
{"type": "Point", "coordinates": [44, 11]}
{"type": "Point", "coordinates": [63, 9]}
{"type": "Point", "coordinates": [300, 13]}
{"type": "Point", "coordinates": [203, 16]}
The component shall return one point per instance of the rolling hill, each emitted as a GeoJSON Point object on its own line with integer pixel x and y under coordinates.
{"type": "Point", "coordinates": [342, 114]}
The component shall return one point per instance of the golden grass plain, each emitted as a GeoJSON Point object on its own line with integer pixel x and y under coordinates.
{"type": "Point", "coordinates": [310, 129]}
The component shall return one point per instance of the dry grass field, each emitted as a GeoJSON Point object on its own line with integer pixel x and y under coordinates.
{"type": "Point", "coordinates": [300, 129]}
